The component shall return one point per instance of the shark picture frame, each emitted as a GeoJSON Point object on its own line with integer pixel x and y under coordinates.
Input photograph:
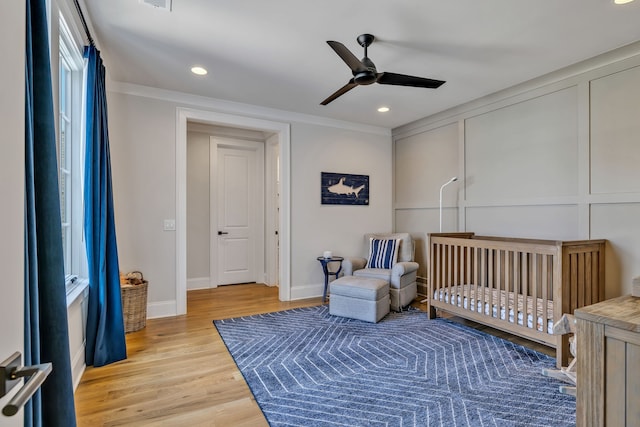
{"type": "Point", "coordinates": [344, 189]}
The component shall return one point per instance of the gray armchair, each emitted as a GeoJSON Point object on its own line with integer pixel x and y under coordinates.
{"type": "Point", "coordinates": [401, 277]}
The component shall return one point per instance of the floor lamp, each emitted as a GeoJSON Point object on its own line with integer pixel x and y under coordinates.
{"type": "Point", "coordinates": [455, 178]}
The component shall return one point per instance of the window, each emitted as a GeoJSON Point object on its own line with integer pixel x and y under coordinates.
{"type": "Point", "coordinates": [71, 154]}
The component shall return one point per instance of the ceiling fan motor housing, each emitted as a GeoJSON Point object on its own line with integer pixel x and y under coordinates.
{"type": "Point", "coordinates": [364, 77]}
{"type": "Point", "coordinates": [368, 76]}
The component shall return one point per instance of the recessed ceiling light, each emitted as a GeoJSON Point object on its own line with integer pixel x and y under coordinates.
{"type": "Point", "coordinates": [198, 70]}
{"type": "Point", "coordinates": [383, 109]}
{"type": "Point", "coordinates": [622, 1]}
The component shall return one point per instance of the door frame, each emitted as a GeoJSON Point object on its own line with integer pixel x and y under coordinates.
{"type": "Point", "coordinates": [283, 132]}
{"type": "Point", "coordinates": [272, 205]}
{"type": "Point", "coordinates": [216, 142]}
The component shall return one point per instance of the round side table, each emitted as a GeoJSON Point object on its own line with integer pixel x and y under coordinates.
{"type": "Point", "coordinates": [325, 268]}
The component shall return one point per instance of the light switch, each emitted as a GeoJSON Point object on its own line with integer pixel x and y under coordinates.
{"type": "Point", "coordinates": [169, 225]}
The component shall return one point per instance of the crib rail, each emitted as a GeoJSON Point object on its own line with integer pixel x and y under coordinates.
{"type": "Point", "coordinates": [522, 286]}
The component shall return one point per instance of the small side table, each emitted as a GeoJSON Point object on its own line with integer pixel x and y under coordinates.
{"type": "Point", "coordinates": [325, 268]}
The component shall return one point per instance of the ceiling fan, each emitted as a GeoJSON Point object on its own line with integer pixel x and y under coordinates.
{"type": "Point", "coordinates": [365, 73]}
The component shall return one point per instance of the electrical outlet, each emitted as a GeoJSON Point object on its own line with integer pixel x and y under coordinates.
{"type": "Point", "coordinates": [169, 225]}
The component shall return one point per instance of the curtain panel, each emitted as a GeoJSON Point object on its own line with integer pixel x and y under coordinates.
{"type": "Point", "coordinates": [46, 329]}
{"type": "Point", "coordinates": [105, 326]}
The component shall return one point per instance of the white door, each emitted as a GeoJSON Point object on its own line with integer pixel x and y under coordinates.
{"type": "Point", "coordinates": [238, 214]}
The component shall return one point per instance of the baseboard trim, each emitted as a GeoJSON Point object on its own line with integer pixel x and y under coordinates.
{"type": "Point", "coordinates": [162, 309]}
{"type": "Point", "coordinates": [198, 283]}
{"type": "Point", "coordinates": [307, 291]}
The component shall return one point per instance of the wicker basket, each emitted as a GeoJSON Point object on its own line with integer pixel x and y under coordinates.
{"type": "Point", "coordinates": [134, 306]}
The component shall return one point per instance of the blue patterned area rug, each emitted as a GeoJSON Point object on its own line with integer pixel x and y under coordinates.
{"type": "Point", "coordinates": [308, 368]}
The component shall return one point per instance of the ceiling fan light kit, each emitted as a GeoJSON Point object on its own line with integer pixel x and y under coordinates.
{"type": "Point", "coordinates": [365, 73]}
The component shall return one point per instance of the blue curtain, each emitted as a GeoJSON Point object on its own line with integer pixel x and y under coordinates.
{"type": "Point", "coordinates": [105, 326]}
{"type": "Point", "coordinates": [46, 331]}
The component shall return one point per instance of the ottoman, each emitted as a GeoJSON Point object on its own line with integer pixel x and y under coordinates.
{"type": "Point", "coordinates": [361, 298]}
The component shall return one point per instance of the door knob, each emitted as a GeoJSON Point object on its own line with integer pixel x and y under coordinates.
{"type": "Point", "coordinates": [220, 233]}
{"type": "Point", "coordinates": [11, 373]}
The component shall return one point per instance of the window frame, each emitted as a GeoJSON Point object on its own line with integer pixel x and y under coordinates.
{"type": "Point", "coordinates": [70, 123]}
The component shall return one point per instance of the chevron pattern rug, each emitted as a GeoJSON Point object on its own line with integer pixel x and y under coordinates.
{"type": "Point", "coordinates": [308, 368]}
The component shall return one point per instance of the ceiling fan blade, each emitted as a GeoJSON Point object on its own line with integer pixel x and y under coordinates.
{"type": "Point", "coordinates": [344, 89]}
{"type": "Point", "coordinates": [404, 80]}
{"type": "Point", "coordinates": [348, 57]}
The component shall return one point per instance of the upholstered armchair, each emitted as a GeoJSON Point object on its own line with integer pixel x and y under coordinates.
{"type": "Point", "coordinates": [394, 264]}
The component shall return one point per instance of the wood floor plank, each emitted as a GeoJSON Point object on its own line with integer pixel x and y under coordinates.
{"type": "Point", "coordinates": [179, 372]}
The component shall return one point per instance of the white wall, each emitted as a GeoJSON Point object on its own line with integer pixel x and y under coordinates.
{"type": "Point", "coordinates": [142, 140]}
{"type": "Point", "coordinates": [12, 48]}
{"type": "Point", "coordinates": [316, 227]}
{"type": "Point", "coordinates": [422, 163]}
{"type": "Point", "coordinates": [198, 217]}
{"type": "Point", "coordinates": [554, 158]}
{"type": "Point", "coordinates": [142, 130]}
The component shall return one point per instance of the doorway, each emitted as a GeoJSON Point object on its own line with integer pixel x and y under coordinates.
{"type": "Point", "coordinates": [281, 140]}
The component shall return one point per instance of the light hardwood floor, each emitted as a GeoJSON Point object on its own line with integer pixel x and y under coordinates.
{"type": "Point", "coordinates": [179, 372]}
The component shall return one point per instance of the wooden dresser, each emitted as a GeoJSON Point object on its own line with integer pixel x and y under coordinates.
{"type": "Point", "coordinates": [608, 365]}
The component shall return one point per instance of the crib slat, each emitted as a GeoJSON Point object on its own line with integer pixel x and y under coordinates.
{"type": "Point", "coordinates": [508, 285]}
{"type": "Point", "coordinates": [456, 271]}
{"type": "Point", "coordinates": [574, 281]}
{"type": "Point", "coordinates": [441, 267]}
{"type": "Point", "coordinates": [516, 279]}
{"type": "Point", "coordinates": [526, 278]}
{"type": "Point", "coordinates": [476, 277]}
{"type": "Point", "coordinates": [512, 271]}
{"type": "Point", "coordinates": [469, 279]}
{"type": "Point", "coordinates": [581, 271]}
{"type": "Point", "coordinates": [436, 266]}
{"type": "Point", "coordinates": [449, 280]}
{"type": "Point", "coordinates": [598, 271]}
{"type": "Point", "coordinates": [491, 280]}
{"type": "Point", "coordinates": [535, 284]}
{"type": "Point", "coordinates": [499, 280]}
{"type": "Point", "coordinates": [545, 295]}
{"type": "Point", "coordinates": [581, 281]}
{"type": "Point", "coordinates": [591, 277]}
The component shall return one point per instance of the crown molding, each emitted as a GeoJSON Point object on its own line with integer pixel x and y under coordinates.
{"type": "Point", "coordinates": [231, 107]}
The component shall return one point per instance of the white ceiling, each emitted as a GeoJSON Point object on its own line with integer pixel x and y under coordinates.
{"type": "Point", "coordinates": [274, 53]}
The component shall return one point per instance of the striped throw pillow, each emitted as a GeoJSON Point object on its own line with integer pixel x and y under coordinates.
{"type": "Point", "coordinates": [383, 253]}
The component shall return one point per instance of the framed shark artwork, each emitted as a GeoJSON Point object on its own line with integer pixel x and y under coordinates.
{"type": "Point", "coordinates": [344, 189]}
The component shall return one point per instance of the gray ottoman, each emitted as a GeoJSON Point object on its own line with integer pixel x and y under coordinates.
{"type": "Point", "coordinates": [361, 298]}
